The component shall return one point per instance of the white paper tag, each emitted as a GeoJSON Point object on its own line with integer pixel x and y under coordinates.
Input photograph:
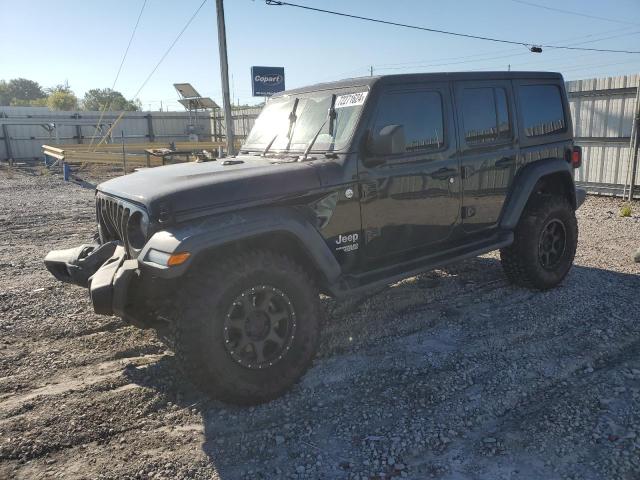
{"type": "Point", "coordinates": [350, 99]}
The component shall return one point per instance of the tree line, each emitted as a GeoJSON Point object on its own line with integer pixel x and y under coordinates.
{"type": "Point", "coordinates": [27, 93]}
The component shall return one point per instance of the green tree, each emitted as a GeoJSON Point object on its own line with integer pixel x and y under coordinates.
{"type": "Point", "coordinates": [105, 98]}
{"type": "Point", "coordinates": [61, 87]}
{"type": "Point", "coordinates": [62, 101]}
{"type": "Point", "coordinates": [21, 91]}
{"type": "Point", "coordinates": [4, 93]}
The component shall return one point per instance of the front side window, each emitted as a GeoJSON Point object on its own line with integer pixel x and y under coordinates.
{"type": "Point", "coordinates": [420, 114]}
{"type": "Point", "coordinates": [542, 110]}
{"type": "Point", "coordinates": [485, 115]}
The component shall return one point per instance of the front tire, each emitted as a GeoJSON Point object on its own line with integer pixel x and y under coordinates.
{"type": "Point", "coordinates": [247, 328]}
{"type": "Point", "coordinates": [544, 246]}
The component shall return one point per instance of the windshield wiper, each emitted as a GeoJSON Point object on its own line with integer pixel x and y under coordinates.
{"type": "Point", "coordinates": [292, 121]}
{"type": "Point", "coordinates": [264, 152]}
{"type": "Point", "coordinates": [331, 115]}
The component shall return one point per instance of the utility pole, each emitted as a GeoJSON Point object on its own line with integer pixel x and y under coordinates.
{"type": "Point", "coordinates": [371, 71]}
{"type": "Point", "coordinates": [224, 73]}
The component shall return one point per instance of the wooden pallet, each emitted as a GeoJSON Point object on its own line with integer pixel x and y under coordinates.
{"type": "Point", "coordinates": [134, 153]}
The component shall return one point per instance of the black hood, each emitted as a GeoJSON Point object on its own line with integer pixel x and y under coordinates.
{"type": "Point", "coordinates": [187, 188]}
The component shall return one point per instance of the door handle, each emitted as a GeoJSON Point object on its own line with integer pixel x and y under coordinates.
{"type": "Point", "coordinates": [505, 162]}
{"type": "Point", "coordinates": [444, 173]}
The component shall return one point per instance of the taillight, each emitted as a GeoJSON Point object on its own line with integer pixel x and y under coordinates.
{"type": "Point", "coordinates": [576, 157]}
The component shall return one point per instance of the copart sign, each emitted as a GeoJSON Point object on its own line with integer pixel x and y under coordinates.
{"type": "Point", "coordinates": [266, 81]}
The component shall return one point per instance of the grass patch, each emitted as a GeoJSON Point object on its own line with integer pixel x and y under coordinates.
{"type": "Point", "coordinates": [625, 210]}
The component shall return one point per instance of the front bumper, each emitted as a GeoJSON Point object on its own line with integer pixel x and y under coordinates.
{"type": "Point", "coordinates": [105, 271]}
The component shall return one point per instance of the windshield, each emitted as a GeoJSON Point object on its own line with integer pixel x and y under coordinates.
{"type": "Point", "coordinates": [310, 113]}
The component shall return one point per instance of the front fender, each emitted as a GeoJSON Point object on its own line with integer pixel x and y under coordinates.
{"type": "Point", "coordinates": [201, 235]}
{"type": "Point", "coordinates": [525, 182]}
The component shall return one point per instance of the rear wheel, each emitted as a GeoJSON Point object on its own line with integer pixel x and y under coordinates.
{"type": "Point", "coordinates": [544, 245]}
{"type": "Point", "coordinates": [246, 329]}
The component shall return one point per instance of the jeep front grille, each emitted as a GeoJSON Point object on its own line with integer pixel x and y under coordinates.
{"type": "Point", "coordinates": [113, 217]}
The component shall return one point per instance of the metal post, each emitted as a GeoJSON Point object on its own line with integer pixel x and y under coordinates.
{"type": "Point", "coordinates": [634, 163]}
{"type": "Point", "coordinates": [66, 172]}
{"type": "Point", "coordinates": [635, 140]}
{"type": "Point", "coordinates": [124, 155]}
{"type": "Point", "coordinates": [150, 133]}
{"type": "Point", "coordinates": [7, 141]}
{"type": "Point", "coordinates": [78, 128]}
{"type": "Point", "coordinates": [214, 120]}
{"type": "Point", "coordinates": [224, 73]}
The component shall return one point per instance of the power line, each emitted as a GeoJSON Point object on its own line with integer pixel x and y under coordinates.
{"type": "Point", "coordinates": [472, 59]}
{"type": "Point", "coordinates": [519, 51]}
{"type": "Point", "coordinates": [144, 4]}
{"type": "Point", "coordinates": [571, 12]}
{"type": "Point", "coordinates": [124, 56]}
{"type": "Point", "coordinates": [444, 32]}
{"type": "Point", "coordinates": [164, 55]}
{"type": "Point", "coordinates": [594, 65]}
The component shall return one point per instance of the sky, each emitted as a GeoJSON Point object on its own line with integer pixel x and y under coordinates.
{"type": "Point", "coordinates": [82, 42]}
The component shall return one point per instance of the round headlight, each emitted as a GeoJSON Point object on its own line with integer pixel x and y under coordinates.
{"type": "Point", "coordinates": [137, 230]}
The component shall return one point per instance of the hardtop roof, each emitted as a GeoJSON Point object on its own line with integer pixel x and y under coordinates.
{"type": "Point", "coordinates": [420, 78]}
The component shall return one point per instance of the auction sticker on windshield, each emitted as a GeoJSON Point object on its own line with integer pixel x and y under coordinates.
{"type": "Point", "coordinates": [350, 100]}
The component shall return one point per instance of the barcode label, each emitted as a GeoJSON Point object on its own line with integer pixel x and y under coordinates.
{"type": "Point", "coordinates": [350, 100]}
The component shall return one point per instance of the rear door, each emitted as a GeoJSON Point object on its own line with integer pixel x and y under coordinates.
{"type": "Point", "coordinates": [488, 149]}
{"type": "Point", "coordinates": [410, 201]}
{"type": "Point", "coordinates": [544, 119]}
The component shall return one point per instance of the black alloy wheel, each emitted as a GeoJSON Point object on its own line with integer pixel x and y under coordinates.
{"type": "Point", "coordinates": [552, 244]}
{"type": "Point", "coordinates": [259, 327]}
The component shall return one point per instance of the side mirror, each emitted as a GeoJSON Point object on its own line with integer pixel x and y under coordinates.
{"type": "Point", "coordinates": [388, 141]}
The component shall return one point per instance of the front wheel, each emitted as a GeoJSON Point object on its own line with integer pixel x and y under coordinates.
{"type": "Point", "coordinates": [247, 328]}
{"type": "Point", "coordinates": [544, 246]}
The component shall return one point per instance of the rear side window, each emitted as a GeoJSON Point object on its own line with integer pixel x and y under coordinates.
{"type": "Point", "coordinates": [485, 115]}
{"type": "Point", "coordinates": [542, 110]}
{"type": "Point", "coordinates": [420, 113]}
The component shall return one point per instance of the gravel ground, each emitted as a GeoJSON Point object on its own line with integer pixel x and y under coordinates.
{"type": "Point", "coordinates": [453, 374]}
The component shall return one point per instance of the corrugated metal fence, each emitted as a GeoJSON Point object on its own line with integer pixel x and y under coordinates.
{"type": "Point", "coordinates": [23, 130]}
{"type": "Point", "coordinates": [603, 111]}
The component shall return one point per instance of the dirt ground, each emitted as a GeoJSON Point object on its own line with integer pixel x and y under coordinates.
{"type": "Point", "coordinates": [453, 374]}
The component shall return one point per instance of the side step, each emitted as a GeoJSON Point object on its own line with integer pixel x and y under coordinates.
{"type": "Point", "coordinates": [351, 284]}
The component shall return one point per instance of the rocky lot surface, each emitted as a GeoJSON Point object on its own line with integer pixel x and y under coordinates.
{"type": "Point", "coordinates": [453, 374]}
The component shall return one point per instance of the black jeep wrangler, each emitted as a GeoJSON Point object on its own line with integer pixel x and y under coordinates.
{"type": "Point", "coordinates": [339, 186]}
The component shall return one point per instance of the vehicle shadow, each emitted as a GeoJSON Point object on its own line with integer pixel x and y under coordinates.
{"type": "Point", "coordinates": [359, 394]}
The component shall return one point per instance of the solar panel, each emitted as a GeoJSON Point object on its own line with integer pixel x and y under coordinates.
{"type": "Point", "coordinates": [186, 90]}
{"type": "Point", "coordinates": [200, 103]}
{"type": "Point", "coordinates": [207, 102]}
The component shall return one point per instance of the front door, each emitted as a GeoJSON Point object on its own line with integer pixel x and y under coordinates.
{"type": "Point", "coordinates": [488, 150]}
{"type": "Point", "coordinates": [410, 201]}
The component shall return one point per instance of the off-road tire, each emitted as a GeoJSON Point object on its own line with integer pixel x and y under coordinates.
{"type": "Point", "coordinates": [199, 320]}
{"type": "Point", "coordinates": [521, 261]}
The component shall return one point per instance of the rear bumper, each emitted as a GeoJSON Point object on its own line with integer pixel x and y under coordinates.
{"type": "Point", "coordinates": [103, 269]}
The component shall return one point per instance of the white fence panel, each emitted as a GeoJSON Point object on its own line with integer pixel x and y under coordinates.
{"type": "Point", "coordinates": [603, 110]}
